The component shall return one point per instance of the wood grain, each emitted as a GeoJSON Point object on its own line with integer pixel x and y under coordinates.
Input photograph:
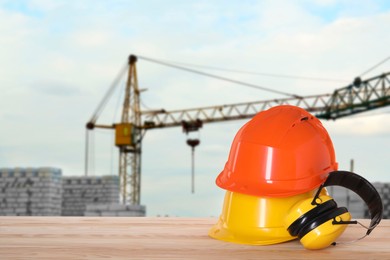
{"type": "Point", "coordinates": [162, 238]}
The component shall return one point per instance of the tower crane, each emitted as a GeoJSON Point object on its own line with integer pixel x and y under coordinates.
{"type": "Point", "coordinates": [358, 97]}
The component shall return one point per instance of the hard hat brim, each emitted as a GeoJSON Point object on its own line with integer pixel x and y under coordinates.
{"type": "Point", "coordinates": [268, 236]}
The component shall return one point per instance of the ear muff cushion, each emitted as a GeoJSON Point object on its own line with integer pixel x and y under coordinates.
{"type": "Point", "coordinates": [321, 219]}
{"type": "Point", "coordinates": [306, 218]}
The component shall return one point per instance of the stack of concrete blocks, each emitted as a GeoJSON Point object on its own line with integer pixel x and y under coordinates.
{"type": "Point", "coordinates": [45, 192]}
{"type": "Point", "coordinates": [115, 210]}
{"type": "Point", "coordinates": [78, 192]}
{"type": "Point", "coordinates": [350, 200]}
{"type": "Point", "coordinates": [384, 191]}
{"type": "Point", "coordinates": [30, 191]}
{"type": "Point", "coordinates": [95, 196]}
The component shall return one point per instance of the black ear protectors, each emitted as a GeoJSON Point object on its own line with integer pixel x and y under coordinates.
{"type": "Point", "coordinates": [318, 222]}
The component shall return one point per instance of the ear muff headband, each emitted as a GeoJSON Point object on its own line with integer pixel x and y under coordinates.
{"type": "Point", "coordinates": [361, 187]}
{"type": "Point", "coordinates": [308, 217]}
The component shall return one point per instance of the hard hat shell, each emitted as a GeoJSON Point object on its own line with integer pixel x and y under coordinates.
{"type": "Point", "coordinates": [281, 152]}
{"type": "Point", "coordinates": [252, 220]}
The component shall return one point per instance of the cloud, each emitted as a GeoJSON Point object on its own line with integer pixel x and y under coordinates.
{"type": "Point", "coordinates": [55, 88]}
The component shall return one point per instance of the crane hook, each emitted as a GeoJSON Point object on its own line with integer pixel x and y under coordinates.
{"type": "Point", "coordinates": [193, 143]}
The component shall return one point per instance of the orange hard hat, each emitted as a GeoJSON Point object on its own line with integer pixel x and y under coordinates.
{"type": "Point", "coordinates": [281, 152]}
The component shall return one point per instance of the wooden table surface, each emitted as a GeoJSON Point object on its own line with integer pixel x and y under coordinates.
{"type": "Point", "coordinates": [162, 238]}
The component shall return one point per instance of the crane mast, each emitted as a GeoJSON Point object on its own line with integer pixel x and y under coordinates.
{"type": "Point", "coordinates": [128, 136]}
{"type": "Point", "coordinates": [360, 96]}
{"type": "Point", "coordinates": [128, 139]}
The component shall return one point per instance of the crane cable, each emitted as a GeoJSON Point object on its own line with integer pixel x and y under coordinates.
{"type": "Point", "coordinates": [274, 75]}
{"type": "Point", "coordinates": [95, 116]}
{"type": "Point", "coordinates": [120, 96]}
{"type": "Point", "coordinates": [375, 66]}
{"type": "Point", "coordinates": [218, 77]}
{"type": "Point", "coordinates": [89, 159]}
{"type": "Point", "coordinates": [108, 94]}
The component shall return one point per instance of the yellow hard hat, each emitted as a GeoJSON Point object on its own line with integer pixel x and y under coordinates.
{"type": "Point", "coordinates": [312, 217]}
{"type": "Point", "coordinates": [253, 220]}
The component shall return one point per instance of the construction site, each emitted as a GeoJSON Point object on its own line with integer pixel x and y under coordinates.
{"type": "Point", "coordinates": [45, 191]}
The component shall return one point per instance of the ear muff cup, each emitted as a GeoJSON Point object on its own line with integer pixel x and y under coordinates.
{"type": "Point", "coordinates": [306, 218]}
{"type": "Point", "coordinates": [323, 231]}
{"type": "Point", "coordinates": [313, 224]}
{"type": "Point", "coordinates": [321, 219]}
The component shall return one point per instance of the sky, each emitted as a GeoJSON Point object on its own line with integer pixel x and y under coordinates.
{"type": "Point", "coordinates": [58, 58]}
